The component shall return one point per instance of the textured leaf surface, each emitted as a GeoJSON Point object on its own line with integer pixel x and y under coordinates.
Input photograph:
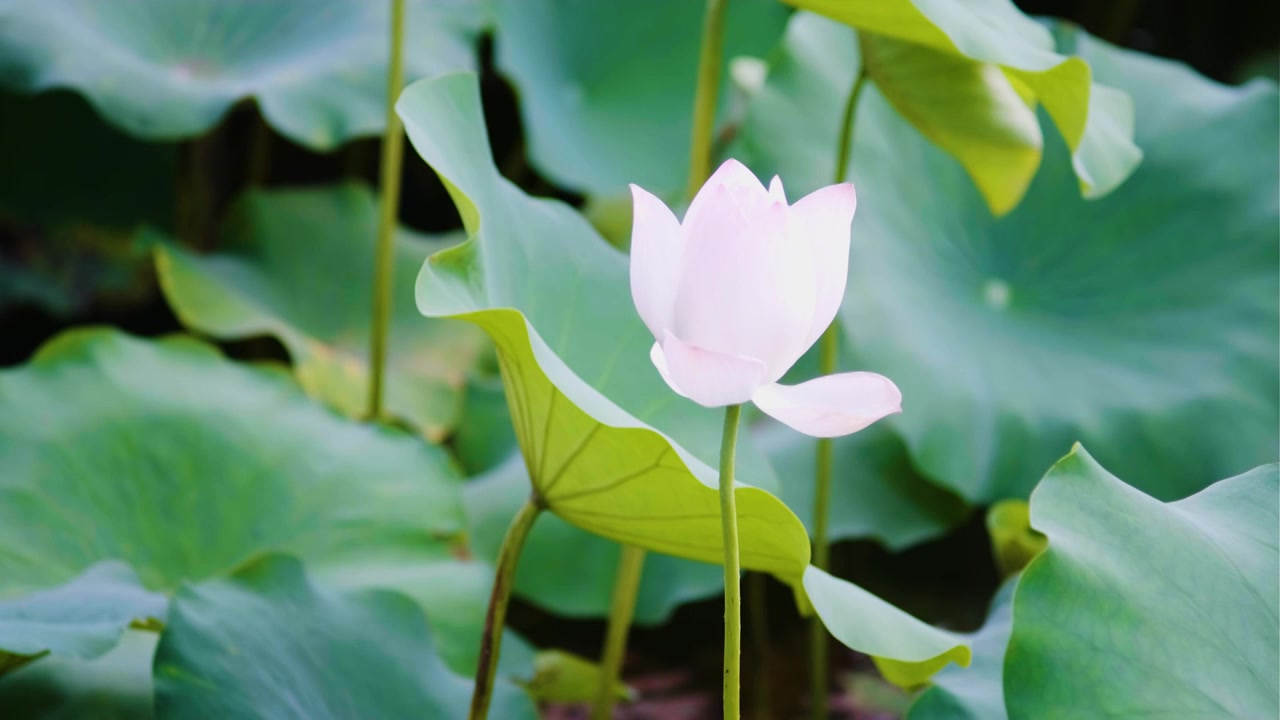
{"type": "Point", "coordinates": [1140, 608]}
{"type": "Point", "coordinates": [299, 265]}
{"type": "Point", "coordinates": [268, 643]}
{"type": "Point", "coordinates": [1143, 324]}
{"type": "Point", "coordinates": [169, 70]}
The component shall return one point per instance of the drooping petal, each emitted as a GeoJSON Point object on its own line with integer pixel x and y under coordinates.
{"type": "Point", "coordinates": [744, 288]}
{"type": "Point", "coordinates": [709, 378]}
{"type": "Point", "coordinates": [656, 248]}
{"type": "Point", "coordinates": [833, 405]}
{"type": "Point", "coordinates": [822, 219]}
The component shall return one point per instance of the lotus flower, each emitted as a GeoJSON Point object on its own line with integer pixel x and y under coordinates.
{"type": "Point", "coordinates": [736, 293]}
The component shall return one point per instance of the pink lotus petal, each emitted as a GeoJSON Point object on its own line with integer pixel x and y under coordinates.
{"type": "Point", "coordinates": [656, 250]}
{"type": "Point", "coordinates": [833, 405]}
{"type": "Point", "coordinates": [709, 378]}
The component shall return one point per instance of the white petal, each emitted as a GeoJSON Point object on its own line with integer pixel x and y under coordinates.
{"type": "Point", "coordinates": [733, 176]}
{"type": "Point", "coordinates": [822, 219]}
{"type": "Point", "coordinates": [745, 289]}
{"type": "Point", "coordinates": [833, 405]}
{"type": "Point", "coordinates": [776, 191]}
{"type": "Point", "coordinates": [708, 378]}
{"type": "Point", "coordinates": [656, 248]}
{"type": "Point", "coordinates": [659, 360]}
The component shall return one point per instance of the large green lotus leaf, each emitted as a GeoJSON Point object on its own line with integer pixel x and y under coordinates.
{"type": "Point", "coordinates": [606, 88]}
{"type": "Point", "coordinates": [1143, 323]}
{"type": "Point", "coordinates": [534, 269]}
{"type": "Point", "coordinates": [875, 493]}
{"type": "Point", "coordinates": [266, 642]}
{"type": "Point", "coordinates": [1095, 120]}
{"type": "Point", "coordinates": [181, 463]}
{"type": "Point", "coordinates": [82, 618]}
{"type": "Point", "coordinates": [169, 457]}
{"type": "Point", "coordinates": [1140, 608]}
{"type": "Point", "coordinates": [115, 686]}
{"type": "Point", "coordinates": [966, 107]}
{"type": "Point", "coordinates": [977, 692]}
{"type": "Point", "coordinates": [584, 587]}
{"type": "Point", "coordinates": [298, 264]}
{"type": "Point", "coordinates": [169, 70]}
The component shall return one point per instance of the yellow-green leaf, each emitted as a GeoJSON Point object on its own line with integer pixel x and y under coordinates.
{"type": "Point", "coordinates": [966, 107]}
{"type": "Point", "coordinates": [1096, 121]}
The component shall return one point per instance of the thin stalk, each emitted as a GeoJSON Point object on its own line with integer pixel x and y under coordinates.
{"type": "Point", "coordinates": [732, 577]}
{"type": "Point", "coordinates": [704, 101]}
{"type": "Point", "coordinates": [389, 183]}
{"type": "Point", "coordinates": [499, 599]}
{"type": "Point", "coordinates": [758, 607]}
{"type": "Point", "coordinates": [829, 351]}
{"type": "Point", "coordinates": [626, 584]}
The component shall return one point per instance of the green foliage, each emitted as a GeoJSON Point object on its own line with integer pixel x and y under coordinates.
{"type": "Point", "coordinates": [164, 71]}
{"type": "Point", "coordinates": [315, 653]}
{"type": "Point", "coordinates": [563, 677]}
{"type": "Point", "coordinates": [967, 108]}
{"type": "Point", "coordinates": [976, 692]}
{"type": "Point", "coordinates": [115, 686]}
{"type": "Point", "coordinates": [1143, 323]}
{"type": "Point", "coordinates": [184, 465]}
{"type": "Point", "coordinates": [82, 618]}
{"type": "Point", "coordinates": [875, 493]}
{"type": "Point", "coordinates": [582, 587]}
{"type": "Point", "coordinates": [606, 88]}
{"type": "Point", "coordinates": [1014, 543]}
{"type": "Point", "coordinates": [1096, 121]}
{"type": "Point", "coordinates": [316, 296]}
{"type": "Point", "coordinates": [1142, 608]}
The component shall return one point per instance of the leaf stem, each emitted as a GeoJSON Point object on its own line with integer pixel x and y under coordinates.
{"type": "Point", "coordinates": [829, 353]}
{"type": "Point", "coordinates": [389, 184]}
{"type": "Point", "coordinates": [626, 585]}
{"type": "Point", "coordinates": [732, 577]}
{"type": "Point", "coordinates": [704, 101]}
{"type": "Point", "coordinates": [499, 599]}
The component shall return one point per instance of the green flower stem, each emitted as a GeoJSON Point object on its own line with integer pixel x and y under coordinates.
{"type": "Point", "coordinates": [830, 350]}
{"type": "Point", "coordinates": [495, 619]}
{"type": "Point", "coordinates": [389, 183]}
{"type": "Point", "coordinates": [704, 102]}
{"type": "Point", "coordinates": [732, 577]}
{"type": "Point", "coordinates": [626, 585]}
